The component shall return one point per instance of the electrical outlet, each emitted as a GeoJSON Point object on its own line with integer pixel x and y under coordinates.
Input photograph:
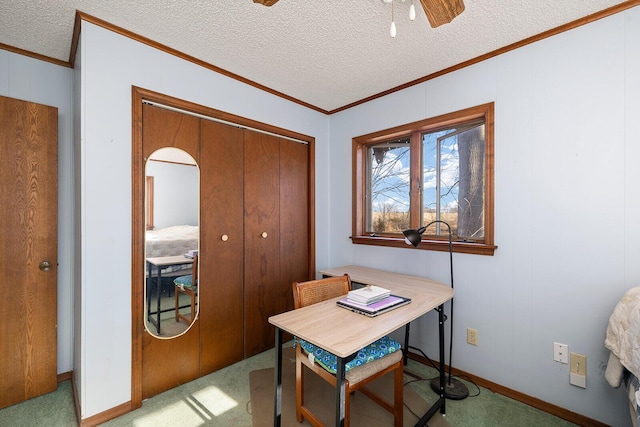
{"type": "Point", "coordinates": [472, 336]}
{"type": "Point", "coordinates": [560, 352]}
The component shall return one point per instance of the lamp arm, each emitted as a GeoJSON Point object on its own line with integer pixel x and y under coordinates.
{"type": "Point", "coordinates": [439, 221]}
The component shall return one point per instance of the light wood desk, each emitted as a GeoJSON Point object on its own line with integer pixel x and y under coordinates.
{"type": "Point", "coordinates": [343, 332]}
{"type": "Point", "coordinates": [160, 263]}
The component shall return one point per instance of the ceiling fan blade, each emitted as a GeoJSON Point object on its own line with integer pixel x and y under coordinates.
{"type": "Point", "coordinates": [266, 2]}
{"type": "Point", "coordinates": [441, 12]}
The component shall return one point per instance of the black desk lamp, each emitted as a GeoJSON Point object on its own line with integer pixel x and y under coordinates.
{"type": "Point", "coordinates": [453, 389]}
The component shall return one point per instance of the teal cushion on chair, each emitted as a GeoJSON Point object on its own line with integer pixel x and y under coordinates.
{"type": "Point", "coordinates": [183, 281]}
{"type": "Point", "coordinates": [373, 351]}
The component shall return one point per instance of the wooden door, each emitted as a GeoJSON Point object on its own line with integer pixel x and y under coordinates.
{"type": "Point", "coordinates": [295, 232]}
{"type": "Point", "coordinates": [221, 242]}
{"type": "Point", "coordinates": [29, 224]}
{"type": "Point", "coordinates": [168, 362]}
{"type": "Point", "coordinates": [263, 290]}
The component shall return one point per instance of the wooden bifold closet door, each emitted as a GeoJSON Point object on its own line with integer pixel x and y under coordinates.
{"type": "Point", "coordinates": [255, 187]}
{"type": "Point", "coordinates": [221, 243]}
{"type": "Point", "coordinates": [254, 242]}
{"type": "Point", "coordinates": [276, 232]}
{"type": "Point", "coordinates": [167, 363]}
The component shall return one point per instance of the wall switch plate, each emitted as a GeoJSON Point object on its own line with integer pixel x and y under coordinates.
{"type": "Point", "coordinates": [578, 368]}
{"type": "Point", "coordinates": [578, 364]}
{"type": "Point", "coordinates": [560, 352]}
{"type": "Point", "coordinates": [472, 336]}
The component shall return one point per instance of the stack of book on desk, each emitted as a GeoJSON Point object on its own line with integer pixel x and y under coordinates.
{"type": "Point", "coordinates": [368, 294]}
{"type": "Point", "coordinates": [372, 301]}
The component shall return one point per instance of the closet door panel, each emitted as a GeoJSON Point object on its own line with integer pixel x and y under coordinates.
{"type": "Point", "coordinates": [221, 246]}
{"type": "Point", "coordinates": [167, 363]}
{"type": "Point", "coordinates": [263, 288]}
{"type": "Point", "coordinates": [294, 216]}
{"type": "Point", "coordinates": [164, 128]}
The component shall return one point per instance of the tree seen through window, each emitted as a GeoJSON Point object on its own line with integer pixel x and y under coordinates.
{"type": "Point", "coordinates": [427, 171]}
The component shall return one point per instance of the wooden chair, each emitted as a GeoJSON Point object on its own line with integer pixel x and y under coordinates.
{"type": "Point", "coordinates": [311, 292]}
{"type": "Point", "coordinates": [188, 285]}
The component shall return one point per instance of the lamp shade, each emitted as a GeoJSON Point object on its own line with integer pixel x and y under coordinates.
{"type": "Point", "coordinates": [413, 237]}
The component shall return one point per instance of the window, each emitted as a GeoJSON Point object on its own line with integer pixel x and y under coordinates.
{"type": "Point", "coordinates": [435, 169]}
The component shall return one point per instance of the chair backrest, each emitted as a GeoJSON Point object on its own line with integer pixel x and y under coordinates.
{"type": "Point", "coordinates": [313, 291]}
{"type": "Point", "coordinates": [194, 270]}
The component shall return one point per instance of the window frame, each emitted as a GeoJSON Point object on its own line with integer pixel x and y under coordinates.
{"type": "Point", "coordinates": [149, 203]}
{"type": "Point", "coordinates": [414, 131]}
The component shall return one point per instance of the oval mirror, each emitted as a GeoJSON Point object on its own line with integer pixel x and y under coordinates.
{"type": "Point", "coordinates": [171, 242]}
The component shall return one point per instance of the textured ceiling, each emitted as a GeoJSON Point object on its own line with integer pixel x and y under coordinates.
{"type": "Point", "coordinates": [326, 53]}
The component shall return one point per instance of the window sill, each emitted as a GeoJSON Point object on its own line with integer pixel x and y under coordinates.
{"type": "Point", "coordinates": [430, 245]}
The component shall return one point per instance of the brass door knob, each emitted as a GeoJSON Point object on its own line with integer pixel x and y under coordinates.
{"type": "Point", "coordinates": [224, 238]}
{"type": "Point", "coordinates": [264, 234]}
{"type": "Point", "coordinates": [45, 266]}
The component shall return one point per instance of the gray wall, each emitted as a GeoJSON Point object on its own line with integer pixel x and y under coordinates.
{"type": "Point", "coordinates": [566, 208]}
{"type": "Point", "coordinates": [176, 193]}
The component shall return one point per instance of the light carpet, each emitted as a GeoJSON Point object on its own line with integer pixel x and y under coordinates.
{"type": "Point", "coordinates": [319, 397]}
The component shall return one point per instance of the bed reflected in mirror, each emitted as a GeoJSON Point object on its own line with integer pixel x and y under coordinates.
{"type": "Point", "coordinates": [171, 242]}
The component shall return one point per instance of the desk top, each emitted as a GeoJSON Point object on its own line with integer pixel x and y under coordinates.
{"type": "Point", "coordinates": [343, 332]}
{"type": "Point", "coordinates": [164, 261]}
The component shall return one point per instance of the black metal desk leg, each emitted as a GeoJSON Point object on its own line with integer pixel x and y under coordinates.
{"type": "Point", "coordinates": [441, 402]}
{"type": "Point", "coordinates": [441, 318]}
{"type": "Point", "coordinates": [340, 392]}
{"type": "Point", "coordinates": [148, 284]}
{"type": "Point", "coordinates": [277, 407]}
{"type": "Point", "coordinates": [405, 350]}
{"type": "Point", "coordinates": [158, 305]}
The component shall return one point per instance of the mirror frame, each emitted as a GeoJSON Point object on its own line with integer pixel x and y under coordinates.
{"type": "Point", "coordinates": [166, 163]}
